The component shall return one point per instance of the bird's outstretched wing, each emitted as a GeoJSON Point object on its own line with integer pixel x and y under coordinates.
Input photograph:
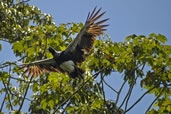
{"type": "Point", "coordinates": [38, 67]}
{"type": "Point", "coordinates": [81, 45]}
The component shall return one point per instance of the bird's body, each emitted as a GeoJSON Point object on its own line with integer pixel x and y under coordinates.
{"type": "Point", "coordinates": [66, 63]}
{"type": "Point", "coordinates": [76, 52]}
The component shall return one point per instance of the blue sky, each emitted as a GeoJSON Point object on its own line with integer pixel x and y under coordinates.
{"type": "Point", "coordinates": [126, 17]}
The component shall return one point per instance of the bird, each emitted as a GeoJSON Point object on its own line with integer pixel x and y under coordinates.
{"type": "Point", "coordinates": [68, 60]}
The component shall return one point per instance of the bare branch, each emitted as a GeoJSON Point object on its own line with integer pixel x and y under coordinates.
{"type": "Point", "coordinates": [6, 64]}
{"type": "Point", "coordinates": [8, 91]}
{"type": "Point", "coordinates": [22, 58]}
{"type": "Point", "coordinates": [24, 95]}
{"type": "Point", "coordinates": [130, 92]}
{"type": "Point", "coordinates": [19, 79]}
{"type": "Point", "coordinates": [3, 102]}
{"type": "Point", "coordinates": [154, 101]}
{"type": "Point", "coordinates": [6, 88]}
{"type": "Point", "coordinates": [22, 2]}
{"type": "Point", "coordinates": [141, 98]}
{"type": "Point", "coordinates": [117, 98]}
{"type": "Point", "coordinates": [102, 78]}
{"type": "Point", "coordinates": [65, 108]}
{"type": "Point", "coordinates": [110, 87]}
{"type": "Point", "coordinates": [127, 95]}
{"type": "Point", "coordinates": [20, 96]}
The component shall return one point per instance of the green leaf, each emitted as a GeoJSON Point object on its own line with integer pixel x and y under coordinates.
{"type": "Point", "coordinates": [35, 87]}
{"type": "Point", "coordinates": [18, 46]}
{"type": "Point", "coordinates": [161, 38]}
{"type": "Point", "coordinates": [44, 104]}
{"type": "Point", "coordinates": [51, 103]}
{"type": "Point", "coordinates": [96, 104]}
{"type": "Point", "coordinates": [130, 37]}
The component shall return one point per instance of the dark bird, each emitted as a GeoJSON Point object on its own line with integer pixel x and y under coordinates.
{"type": "Point", "coordinates": [68, 60]}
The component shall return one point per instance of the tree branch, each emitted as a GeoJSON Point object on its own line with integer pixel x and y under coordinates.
{"type": "Point", "coordinates": [102, 78]}
{"type": "Point", "coordinates": [19, 79]}
{"type": "Point", "coordinates": [6, 88]}
{"type": "Point", "coordinates": [154, 101]}
{"type": "Point", "coordinates": [119, 92]}
{"type": "Point", "coordinates": [130, 92]}
{"type": "Point", "coordinates": [22, 2]}
{"type": "Point", "coordinates": [20, 97]}
{"type": "Point", "coordinates": [3, 102]}
{"type": "Point", "coordinates": [110, 87]}
{"type": "Point", "coordinates": [24, 95]}
{"type": "Point", "coordinates": [6, 64]}
{"type": "Point", "coordinates": [141, 98]}
{"type": "Point", "coordinates": [65, 108]}
{"type": "Point", "coordinates": [127, 95]}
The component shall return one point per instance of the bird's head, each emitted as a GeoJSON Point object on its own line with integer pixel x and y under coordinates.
{"type": "Point", "coordinates": [54, 52]}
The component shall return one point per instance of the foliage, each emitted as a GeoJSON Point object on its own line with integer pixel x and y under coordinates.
{"type": "Point", "coordinates": [30, 32]}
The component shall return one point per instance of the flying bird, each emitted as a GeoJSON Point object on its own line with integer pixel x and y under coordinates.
{"type": "Point", "coordinates": [67, 61]}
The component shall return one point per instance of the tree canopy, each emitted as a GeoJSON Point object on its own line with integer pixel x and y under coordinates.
{"type": "Point", "coordinates": [30, 32]}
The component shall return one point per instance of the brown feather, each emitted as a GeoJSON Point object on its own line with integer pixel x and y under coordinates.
{"type": "Point", "coordinates": [96, 18]}
{"type": "Point", "coordinates": [102, 21]}
{"type": "Point", "coordinates": [91, 15]}
{"type": "Point", "coordinates": [38, 67]}
{"type": "Point", "coordinates": [85, 39]}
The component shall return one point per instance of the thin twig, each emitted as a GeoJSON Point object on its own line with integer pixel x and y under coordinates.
{"type": "Point", "coordinates": [110, 87]}
{"type": "Point", "coordinates": [154, 101]}
{"type": "Point", "coordinates": [22, 2]}
{"type": "Point", "coordinates": [129, 95]}
{"type": "Point", "coordinates": [126, 104]}
{"type": "Point", "coordinates": [20, 97]}
{"type": "Point", "coordinates": [19, 79]}
{"type": "Point", "coordinates": [6, 64]}
{"type": "Point", "coordinates": [8, 83]}
{"type": "Point", "coordinates": [3, 102]}
{"type": "Point", "coordinates": [132, 86]}
{"type": "Point", "coordinates": [102, 77]}
{"type": "Point", "coordinates": [117, 98]}
{"type": "Point", "coordinates": [130, 89]}
{"type": "Point", "coordinates": [7, 89]}
{"type": "Point", "coordinates": [66, 38]}
{"type": "Point", "coordinates": [22, 58]}
{"type": "Point", "coordinates": [7, 93]}
{"type": "Point", "coordinates": [24, 96]}
{"type": "Point", "coordinates": [141, 98]}
{"type": "Point", "coordinates": [65, 108]}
